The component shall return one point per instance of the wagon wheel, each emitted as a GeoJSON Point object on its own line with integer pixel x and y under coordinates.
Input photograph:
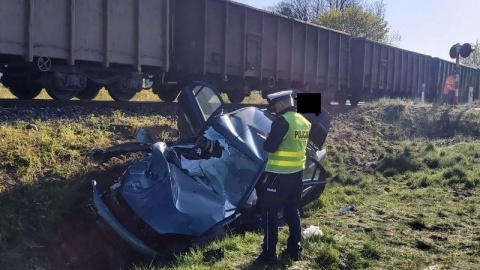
{"type": "Point", "coordinates": [265, 93]}
{"type": "Point", "coordinates": [90, 92]}
{"type": "Point", "coordinates": [235, 96]}
{"type": "Point", "coordinates": [354, 101]}
{"type": "Point", "coordinates": [342, 99]}
{"type": "Point", "coordinates": [58, 94]}
{"type": "Point", "coordinates": [44, 63]}
{"type": "Point", "coordinates": [118, 94]}
{"type": "Point", "coordinates": [55, 92]}
{"type": "Point", "coordinates": [166, 93]}
{"type": "Point", "coordinates": [25, 90]}
{"type": "Point", "coordinates": [326, 100]}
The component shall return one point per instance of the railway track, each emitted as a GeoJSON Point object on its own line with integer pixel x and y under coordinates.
{"type": "Point", "coordinates": [333, 109]}
{"type": "Point", "coordinates": [50, 103]}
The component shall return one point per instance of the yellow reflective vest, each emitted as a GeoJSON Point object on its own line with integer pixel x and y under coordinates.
{"type": "Point", "coordinates": [290, 156]}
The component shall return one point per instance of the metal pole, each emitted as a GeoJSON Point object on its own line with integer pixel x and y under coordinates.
{"type": "Point", "coordinates": [457, 76]}
{"type": "Point", "coordinates": [423, 93]}
{"type": "Point", "coordinates": [470, 97]}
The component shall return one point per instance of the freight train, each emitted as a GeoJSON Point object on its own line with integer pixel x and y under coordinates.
{"type": "Point", "coordinates": [74, 48]}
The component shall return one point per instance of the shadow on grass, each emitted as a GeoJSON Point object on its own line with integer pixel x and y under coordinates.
{"type": "Point", "coordinates": [48, 225]}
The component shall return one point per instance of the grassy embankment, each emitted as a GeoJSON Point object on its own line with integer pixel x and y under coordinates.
{"type": "Point", "coordinates": [411, 171]}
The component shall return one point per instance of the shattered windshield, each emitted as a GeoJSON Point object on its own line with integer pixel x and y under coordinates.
{"type": "Point", "coordinates": [223, 168]}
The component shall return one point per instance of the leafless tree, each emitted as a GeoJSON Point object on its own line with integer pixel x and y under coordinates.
{"type": "Point", "coordinates": [304, 10]}
{"type": "Point", "coordinates": [342, 4]}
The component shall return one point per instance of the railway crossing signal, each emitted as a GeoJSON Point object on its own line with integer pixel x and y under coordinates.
{"type": "Point", "coordinates": [455, 52]}
{"type": "Point", "coordinates": [463, 50]}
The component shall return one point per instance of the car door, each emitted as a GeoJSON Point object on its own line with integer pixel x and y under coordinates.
{"type": "Point", "coordinates": [320, 127]}
{"type": "Point", "coordinates": [199, 102]}
{"type": "Point", "coordinates": [314, 180]}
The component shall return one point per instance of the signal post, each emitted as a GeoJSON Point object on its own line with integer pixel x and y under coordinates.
{"type": "Point", "coordinates": [456, 51]}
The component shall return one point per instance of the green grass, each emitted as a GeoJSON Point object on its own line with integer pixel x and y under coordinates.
{"type": "Point", "coordinates": [44, 171]}
{"type": "Point", "coordinates": [412, 172]}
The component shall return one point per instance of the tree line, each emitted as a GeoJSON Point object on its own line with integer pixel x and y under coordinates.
{"type": "Point", "coordinates": [474, 59]}
{"type": "Point", "coordinates": [359, 18]}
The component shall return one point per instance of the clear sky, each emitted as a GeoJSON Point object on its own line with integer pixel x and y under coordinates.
{"type": "Point", "coordinates": [426, 26]}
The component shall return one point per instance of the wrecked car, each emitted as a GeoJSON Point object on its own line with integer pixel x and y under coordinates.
{"type": "Point", "coordinates": [188, 192]}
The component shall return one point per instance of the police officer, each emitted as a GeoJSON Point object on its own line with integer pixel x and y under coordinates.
{"type": "Point", "coordinates": [286, 143]}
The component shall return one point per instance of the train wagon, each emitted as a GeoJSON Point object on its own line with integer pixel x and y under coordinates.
{"type": "Point", "coordinates": [379, 70]}
{"type": "Point", "coordinates": [73, 48]}
{"type": "Point", "coordinates": [239, 48]}
{"type": "Point", "coordinates": [440, 69]}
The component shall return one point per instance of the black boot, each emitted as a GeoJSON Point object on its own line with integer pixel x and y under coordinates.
{"type": "Point", "coordinates": [291, 254]}
{"type": "Point", "coordinates": [267, 258]}
{"type": "Point", "coordinates": [294, 255]}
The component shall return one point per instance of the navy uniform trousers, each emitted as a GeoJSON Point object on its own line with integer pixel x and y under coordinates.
{"type": "Point", "coordinates": [282, 191]}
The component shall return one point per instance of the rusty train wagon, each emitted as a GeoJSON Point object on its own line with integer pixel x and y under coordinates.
{"type": "Point", "coordinates": [73, 48]}
{"type": "Point", "coordinates": [440, 69]}
{"type": "Point", "coordinates": [240, 48]}
{"type": "Point", "coordinates": [379, 70]}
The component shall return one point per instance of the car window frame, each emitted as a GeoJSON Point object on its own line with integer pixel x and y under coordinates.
{"type": "Point", "coordinates": [193, 109]}
{"type": "Point", "coordinates": [203, 106]}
